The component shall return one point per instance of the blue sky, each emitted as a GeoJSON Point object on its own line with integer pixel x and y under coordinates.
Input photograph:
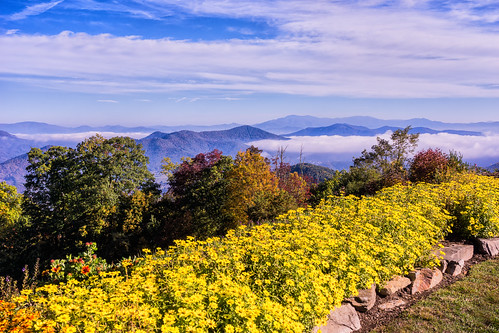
{"type": "Point", "coordinates": [171, 62]}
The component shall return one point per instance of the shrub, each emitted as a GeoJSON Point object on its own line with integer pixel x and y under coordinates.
{"type": "Point", "coordinates": [473, 203]}
{"type": "Point", "coordinates": [80, 267]}
{"type": "Point", "coordinates": [429, 166]}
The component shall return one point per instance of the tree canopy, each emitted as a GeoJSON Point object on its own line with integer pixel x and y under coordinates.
{"type": "Point", "coordinates": [73, 195]}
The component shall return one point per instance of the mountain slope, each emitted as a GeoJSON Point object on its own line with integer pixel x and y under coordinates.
{"type": "Point", "coordinates": [13, 170]}
{"type": "Point", "coordinates": [314, 172]}
{"type": "Point", "coordinates": [176, 145]}
{"type": "Point", "coordinates": [12, 146]}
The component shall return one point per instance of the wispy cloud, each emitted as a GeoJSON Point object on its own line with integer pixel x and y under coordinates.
{"type": "Point", "coordinates": [107, 101]}
{"type": "Point", "coordinates": [195, 99]}
{"type": "Point", "coordinates": [242, 31]}
{"type": "Point", "coordinates": [137, 9]}
{"type": "Point", "coordinates": [34, 10]}
{"type": "Point", "coordinates": [11, 31]}
{"type": "Point", "coordinates": [386, 49]}
{"type": "Point", "coordinates": [476, 11]}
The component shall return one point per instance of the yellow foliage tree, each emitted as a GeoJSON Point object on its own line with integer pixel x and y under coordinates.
{"type": "Point", "coordinates": [251, 184]}
{"type": "Point", "coordinates": [10, 206]}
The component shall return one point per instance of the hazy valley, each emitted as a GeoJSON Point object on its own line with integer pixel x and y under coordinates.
{"type": "Point", "coordinates": [330, 142]}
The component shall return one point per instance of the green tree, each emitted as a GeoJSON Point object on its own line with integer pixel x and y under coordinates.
{"type": "Point", "coordinates": [384, 165]}
{"type": "Point", "coordinates": [211, 193]}
{"type": "Point", "coordinates": [73, 196]}
{"type": "Point", "coordinates": [12, 226]}
{"type": "Point", "coordinates": [197, 192]}
{"type": "Point", "coordinates": [388, 155]}
{"type": "Point", "coordinates": [10, 206]}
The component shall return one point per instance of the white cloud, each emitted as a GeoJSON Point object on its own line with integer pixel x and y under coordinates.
{"type": "Point", "coordinates": [319, 144]}
{"type": "Point", "coordinates": [338, 147]}
{"type": "Point", "coordinates": [476, 11]}
{"type": "Point", "coordinates": [34, 10]}
{"type": "Point", "coordinates": [323, 48]}
{"type": "Point", "coordinates": [11, 31]}
{"type": "Point", "coordinates": [471, 147]}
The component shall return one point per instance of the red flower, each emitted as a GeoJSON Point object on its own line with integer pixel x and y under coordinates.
{"type": "Point", "coordinates": [85, 270]}
{"type": "Point", "coordinates": [56, 269]}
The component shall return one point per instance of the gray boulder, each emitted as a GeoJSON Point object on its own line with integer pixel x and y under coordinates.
{"type": "Point", "coordinates": [457, 252]}
{"type": "Point", "coordinates": [395, 284]}
{"type": "Point", "coordinates": [455, 267]}
{"type": "Point", "coordinates": [488, 246]}
{"type": "Point", "coordinates": [341, 320]}
{"type": "Point", "coordinates": [392, 304]}
{"type": "Point", "coordinates": [365, 300]}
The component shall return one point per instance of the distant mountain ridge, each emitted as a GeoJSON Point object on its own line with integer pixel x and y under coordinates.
{"type": "Point", "coordinates": [287, 124]}
{"type": "Point", "coordinates": [294, 123]}
{"type": "Point", "coordinates": [351, 130]}
{"type": "Point", "coordinates": [31, 127]}
{"type": "Point", "coordinates": [188, 143]}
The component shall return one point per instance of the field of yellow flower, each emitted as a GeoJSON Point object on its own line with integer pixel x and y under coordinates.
{"type": "Point", "coordinates": [277, 277]}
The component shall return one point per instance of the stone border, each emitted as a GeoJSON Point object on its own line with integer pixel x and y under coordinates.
{"type": "Point", "coordinates": [346, 319]}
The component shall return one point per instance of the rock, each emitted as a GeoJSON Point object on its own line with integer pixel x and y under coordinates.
{"type": "Point", "coordinates": [424, 279]}
{"type": "Point", "coordinates": [443, 266]}
{"type": "Point", "coordinates": [341, 320]}
{"type": "Point", "coordinates": [455, 267]}
{"type": "Point", "coordinates": [395, 284]}
{"type": "Point", "coordinates": [456, 252]}
{"type": "Point", "coordinates": [488, 246]}
{"type": "Point", "coordinates": [365, 300]}
{"type": "Point", "coordinates": [391, 304]}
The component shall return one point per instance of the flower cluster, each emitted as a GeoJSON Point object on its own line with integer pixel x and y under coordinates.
{"type": "Point", "coordinates": [18, 320]}
{"type": "Point", "coordinates": [79, 267]}
{"type": "Point", "coordinates": [277, 277]}
{"type": "Point", "coordinates": [473, 202]}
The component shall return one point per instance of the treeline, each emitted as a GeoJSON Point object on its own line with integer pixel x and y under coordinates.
{"type": "Point", "coordinates": [102, 192]}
